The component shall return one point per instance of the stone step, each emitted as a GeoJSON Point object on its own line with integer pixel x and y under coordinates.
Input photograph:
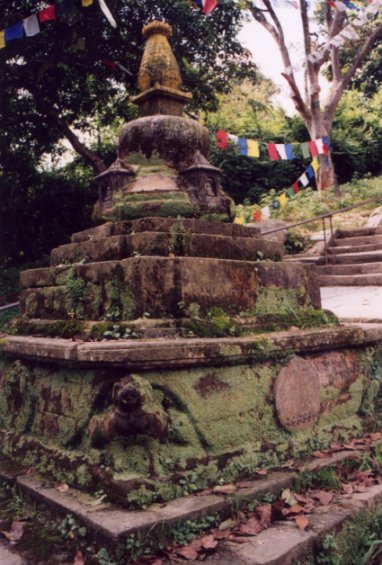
{"type": "Point", "coordinates": [359, 232]}
{"type": "Point", "coordinates": [337, 250]}
{"type": "Point", "coordinates": [352, 258]}
{"type": "Point", "coordinates": [356, 269]}
{"type": "Point", "coordinates": [361, 240]}
{"type": "Point", "coordinates": [165, 244]}
{"type": "Point", "coordinates": [351, 280]}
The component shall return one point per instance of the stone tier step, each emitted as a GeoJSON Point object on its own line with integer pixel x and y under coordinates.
{"type": "Point", "coordinates": [360, 240]}
{"type": "Point", "coordinates": [187, 225]}
{"type": "Point", "coordinates": [116, 247]}
{"type": "Point", "coordinates": [353, 258]}
{"type": "Point", "coordinates": [351, 269]}
{"type": "Point", "coordinates": [158, 287]}
{"type": "Point", "coordinates": [338, 250]}
{"type": "Point", "coordinates": [351, 280]}
{"type": "Point", "coordinates": [358, 232]}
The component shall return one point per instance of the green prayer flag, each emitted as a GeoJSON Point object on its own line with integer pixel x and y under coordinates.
{"type": "Point", "coordinates": [305, 150]}
{"type": "Point", "coordinates": [291, 193]}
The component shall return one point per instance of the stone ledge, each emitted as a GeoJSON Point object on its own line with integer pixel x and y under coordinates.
{"type": "Point", "coordinates": [167, 353]}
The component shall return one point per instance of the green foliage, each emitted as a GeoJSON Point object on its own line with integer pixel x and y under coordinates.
{"type": "Point", "coordinates": [359, 540]}
{"type": "Point", "coordinates": [295, 242]}
{"type": "Point", "coordinates": [6, 318]}
{"type": "Point", "coordinates": [321, 478]}
{"type": "Point", "coordinates": [184, 532]}
{"type": "Point", "coordinates": [70, 529]}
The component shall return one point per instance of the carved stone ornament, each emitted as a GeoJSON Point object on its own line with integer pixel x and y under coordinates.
{"type": "Point", "coordinates": [297, 394]}
{"type": "Point", "coordinates": [136, 410]}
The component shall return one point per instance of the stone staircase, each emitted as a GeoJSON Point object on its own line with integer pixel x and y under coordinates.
{"type": "Point", "coordinates": [354, 259]}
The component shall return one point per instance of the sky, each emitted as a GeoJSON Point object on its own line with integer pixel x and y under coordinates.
{"type": "Point", "coordinates": [266, 54]}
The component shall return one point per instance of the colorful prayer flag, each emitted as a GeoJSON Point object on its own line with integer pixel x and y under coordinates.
{"type": "Point", "coordinates": [289, 151]}
{"type": "Point", "coordinates": [209, 6]}
{"type": "Point", "coordinates": [281, 151]}
{"type": "Point", "coordinates": [233, 138]}
{"type": "Point", "coordinates": [238, 220]}
{"type": "Point", "coordinates": [2, 39]}
{"type": "Point", "coordinates": [282, 199]}
{"type": "Point", "coordinates": [291, 192]}
{"type": "Point", "coordinates": [256, 216]}
{"type": "Point", "coordinates": [221, 139]}
{"type": "Point", "coordinates": [305, 150]}
{"type": "Point", "coordinates": [31, 25]}
{"type": "Point", "coordinates": [315, 164]}
{"type": "Point", "coordinates": [243, 146]}
{"type": "Point", "coordinates": [86, 3]}
{"type": "Point", "coordinates": [266, 212]}
{"type": "Point", "coordinates": [304, 180]}
{"type": "Point", "coordinates": [295, 187]}
{"type": "Point", "coordinates": [310, 172]}
{"type": "Point", "coordinates": [48, 14]}
{"type": "Point", "coordinates": [106, 12]}
{"type": "Point", "coordinates": [253, 148]}
{"type": "Point", "coordinates": [313, 148]}
{"type": "Point", "coordinates": [275, 204]}
{"type": "Point", "coordinates": [272, 151]}
{"type": "Point", "coordinates": [14, 32]}
{"type": "Point", "coordinates": [326, 140]}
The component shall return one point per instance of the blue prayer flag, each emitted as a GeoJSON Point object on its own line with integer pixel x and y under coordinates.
{"type": "Point", "coordinates": [326, 140]}
{"type": "Point", "coordinates": [289, 151]}
{"type": "Point", "coordinates": [14, 32]}
{"type": "Point", "coordinates": [243, 146]}
{"type": "Point", "coordinates": [310, 172]}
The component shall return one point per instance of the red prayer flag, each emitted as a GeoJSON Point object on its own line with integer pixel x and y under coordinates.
{"type": "Point", "coordinates": [272, 151]}
{"type": "Point", "coordinates": [47, 14]}
{"type": "Point", "coordinates": [295, 187]}
{"type": "Point", "coordinates": [221, 139]}
{"type": "Point", "coordinates": [209, 6]}
{"type": "Point", "coordinates": [109, 63]}
{"type": "Point", "coordinates": [325, 148]}
{"type": "Point", "coordinates": [257, 216]}
{"type": "Point", "coordinates": [313, 148]}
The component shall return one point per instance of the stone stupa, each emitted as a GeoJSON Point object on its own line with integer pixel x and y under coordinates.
{"type": "Point", "coordinates": [141, 365]}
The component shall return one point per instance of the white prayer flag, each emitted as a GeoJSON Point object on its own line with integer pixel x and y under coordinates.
{"type": "Point", "coordinates": [31, 25]}
{"type": "Point", "coordinates": [281, 150]}
{"type": "Point", "coordinates": [266, 212]}
{"type": "Point", "coordinates": [233, 138]}
{"type": "Point", "coordinates": [108, 15]}
{"type": "Point", "coordinates": [304, 180]}
{"type": "Point", "coordinates": [349, 33]}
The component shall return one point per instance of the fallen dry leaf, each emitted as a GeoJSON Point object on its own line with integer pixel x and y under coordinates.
{"type": "Point", "coordinates": [295, 509]}
{"type": "Point", "coordinates": [205, 492]}
{"type": "Point", "coordinates": [319, 454]}
{"type": "Point", "coordinates": [261, 472]}
{"type": "Point", "coordinates": [187, 552]}
{"type": "Point", "coordinates": [15, 533]}
{"type": "Point", "coordinates": [288, 497]}
{"type": "Point", "coordinates": [264, 512]}
{"type": "Point", "coordinates": [62, 487]}
{"type": "Point", "coordinates": [375, 436]}
{"type": "Point", "coordinates": [302, 522]}
{"type": "Point", "coordinates": [250, 528]}
{"type": "Point", "coordinates": [324, 497]}
{"type": "Point", "coordinates": [347, 488]}
{"type": "Point", "coordinates": [157, 562]}
{"type": "Point", "coordinates": [209, 542]}
{"type": "Point", "coordinates": [79, 559]}
{"type": "Point", "coordinates": [224, 489]}
{"type": "Point", "coordinates": [230, 523]}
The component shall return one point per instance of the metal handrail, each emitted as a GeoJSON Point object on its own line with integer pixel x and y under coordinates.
{"type": "Point", "coordinates": [323, 217]}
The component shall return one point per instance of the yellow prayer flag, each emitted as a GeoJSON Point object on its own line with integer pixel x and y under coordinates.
{"type": "Point", "coordinates": [238, 220]}
{"type": "Point", "coordinates": [2, 39]}
{"type": "Point", "coordinates": [86, 3]}
{"type": "Point", "coordinates": [253, 148]}
{"type": "Point", "coordinates": [282, 199]}
{"type": "Point", "coordinates": [315, 164]}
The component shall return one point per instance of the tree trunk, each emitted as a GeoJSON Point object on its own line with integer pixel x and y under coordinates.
{"type": "Point", "coordinates": [325, 176]}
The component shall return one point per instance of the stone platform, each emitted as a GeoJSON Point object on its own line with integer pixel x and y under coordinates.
{"type": "Point", "coordinates": [147, 420]}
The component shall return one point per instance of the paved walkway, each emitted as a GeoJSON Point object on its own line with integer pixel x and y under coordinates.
{"type": "Point", "coordinates": [7, 557]}
{"type": "Point", "coordinates": [353, 302]}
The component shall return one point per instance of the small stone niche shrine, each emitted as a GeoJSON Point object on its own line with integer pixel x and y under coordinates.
{"type": "Point", "coordinates": [156, 351]}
